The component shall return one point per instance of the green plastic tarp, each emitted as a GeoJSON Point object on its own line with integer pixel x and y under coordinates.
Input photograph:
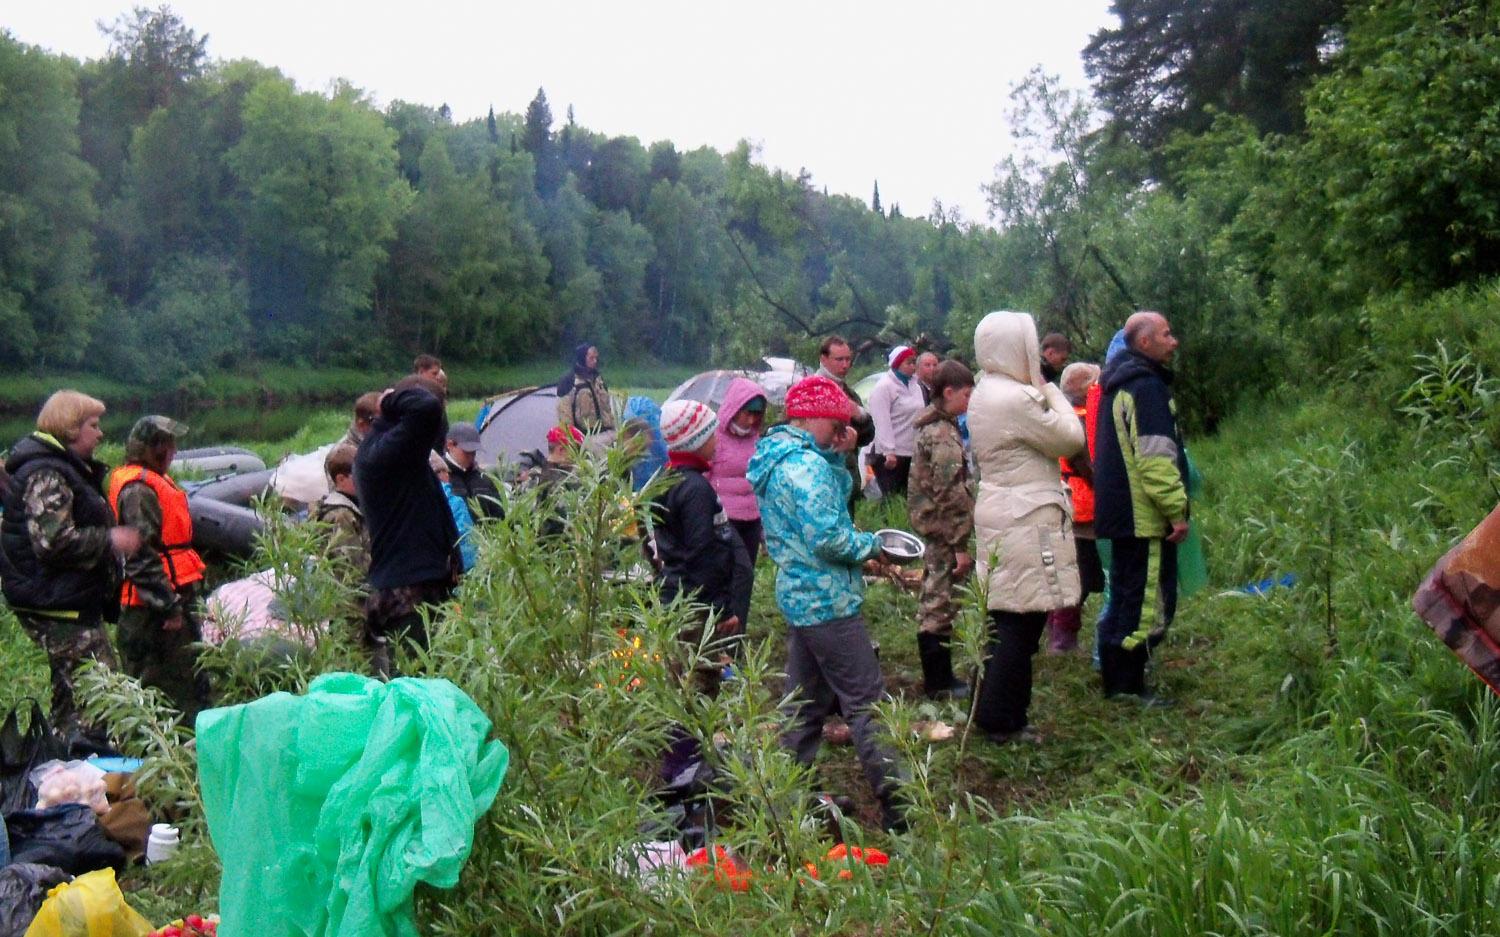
{"type": "Point", "coordinates": [1192, 566]}
{"type": "Point", "coordinates": [327, 809]}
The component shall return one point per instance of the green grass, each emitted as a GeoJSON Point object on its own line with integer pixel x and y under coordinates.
{"type": "Point", "coordinates": [1331, 768]}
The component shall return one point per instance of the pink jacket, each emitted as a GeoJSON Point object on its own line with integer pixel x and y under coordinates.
{"type": "Point", "coordinates": [733, 454]}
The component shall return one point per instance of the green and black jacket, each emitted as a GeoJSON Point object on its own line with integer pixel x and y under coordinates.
{"type": "Point", "coordinates": [1140, 467]}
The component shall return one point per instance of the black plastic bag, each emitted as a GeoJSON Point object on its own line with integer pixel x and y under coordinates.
{"type": "Point", "coordinates": [23, 888]}
{"type": "Point", "coordinates": [68, 836]}
{"type": "Point", "coordinates": [20, 752]}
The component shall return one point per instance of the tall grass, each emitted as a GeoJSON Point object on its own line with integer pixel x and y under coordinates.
{"type": "Point", "coordinates": [1330, 769]}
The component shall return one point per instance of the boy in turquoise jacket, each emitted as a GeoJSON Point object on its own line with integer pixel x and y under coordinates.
{"type": "Point", "coordinates": [803, 489]}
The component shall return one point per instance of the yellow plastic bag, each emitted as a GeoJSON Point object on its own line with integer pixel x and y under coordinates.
{"type": "Point", "coordinates": [90, 906]}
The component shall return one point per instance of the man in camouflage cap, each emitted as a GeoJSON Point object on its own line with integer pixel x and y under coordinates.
{"type": "Point", "coordinates": [941, 502]}
{"type": "Point", "coordinates": [158, 623]}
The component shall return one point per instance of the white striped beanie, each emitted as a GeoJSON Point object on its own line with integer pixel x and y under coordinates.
{"type": "Point", "coordinates": [686, 425]}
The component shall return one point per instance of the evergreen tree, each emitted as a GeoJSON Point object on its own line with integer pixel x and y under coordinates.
{"type": "Point", "coordinates": [536, 138]}
{"type": "Point", "coordinates": [875, 200]}
{"type": "Point", "coordinates": [491, 126]}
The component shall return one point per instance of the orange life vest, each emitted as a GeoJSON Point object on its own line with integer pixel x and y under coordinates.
{"type": "Point", "coordinates": [1083, 489]}
{"type": "Point", "coordinates": [181, 562]}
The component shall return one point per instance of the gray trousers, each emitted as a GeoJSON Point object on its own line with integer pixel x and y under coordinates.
{"type": "Point", "coordinates": [831, 667]}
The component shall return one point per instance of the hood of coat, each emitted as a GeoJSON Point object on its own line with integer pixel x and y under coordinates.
{"type": "Point", "coordinates": [741, 391]}
{"type": "Point", "coordinates": [775, 447]}
{"type": "Point", "coordinates": [1128, 366]}
{"type": "Point", "coordinates": [1005, 344]}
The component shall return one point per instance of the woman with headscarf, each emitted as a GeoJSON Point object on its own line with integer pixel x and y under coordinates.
{"type": "Point", "coordinates": [1019, 427]}
{"type": "Point", "coordinates": [895, 404]}
{"type": "Point", "coordinates": [582, 399]}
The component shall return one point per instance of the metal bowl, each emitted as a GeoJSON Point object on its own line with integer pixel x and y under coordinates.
{"type": "Point", "coordinates": [900, 547]}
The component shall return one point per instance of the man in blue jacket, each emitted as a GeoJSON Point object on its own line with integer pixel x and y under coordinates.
{"type": "Point", "coordinates": [803, 490]}
{"type": "Point", "coordinates": [414, 561]}
{"type": "Point", "coordinates": [1141, 502]}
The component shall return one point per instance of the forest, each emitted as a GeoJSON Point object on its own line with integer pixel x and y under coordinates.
{"type": "Point", "coordinates": [1311, 193]}
{"type": "Point", "coordinates": [1258, 173]}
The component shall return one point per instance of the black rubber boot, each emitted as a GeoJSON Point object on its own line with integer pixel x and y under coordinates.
{"type": "Point", "coordinates": [930, 652]}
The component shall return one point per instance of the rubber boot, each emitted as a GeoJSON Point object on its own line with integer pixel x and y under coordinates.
{"type": "Point", "coordinates": [1110, 669]}
{"type": "Point", "coordinates": [933, 679]}
{"type": "Point", "coordinates": [957, 689]}
{"type": "Point", "coordinates": [1063, 626]}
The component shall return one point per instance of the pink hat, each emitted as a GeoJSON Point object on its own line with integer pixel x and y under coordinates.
{"type": "Point", "coordinates": [686, 425]}
{"type": "Point", "coordinates": [818, 397]}
{"type": "Point", "coordinates": [899, 354]}
{"type": "Point", "coordinates": [557, 435]}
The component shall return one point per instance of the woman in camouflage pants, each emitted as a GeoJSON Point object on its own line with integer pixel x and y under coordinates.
{"type": "Point", "coordinates": [59, 546]}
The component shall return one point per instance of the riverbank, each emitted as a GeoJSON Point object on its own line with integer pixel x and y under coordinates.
{"type": "Point", "coordinates": [275, 402]}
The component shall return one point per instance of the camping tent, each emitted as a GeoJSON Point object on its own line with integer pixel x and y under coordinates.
{"type": "Point", "coordinates": [709, 387]}
{"type": "Point", "coordinates": [515, 423]}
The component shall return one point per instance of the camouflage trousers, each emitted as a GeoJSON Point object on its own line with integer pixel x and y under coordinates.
{"type": "Point", "coordinates": [936, 609]}
{"type": "Point", "coordinates": [67, 645]}
{"type": "Point", "coordinates": [166, 660]}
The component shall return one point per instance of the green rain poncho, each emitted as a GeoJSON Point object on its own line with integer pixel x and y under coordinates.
{"type": "Point", "coordinates": [327, 809]}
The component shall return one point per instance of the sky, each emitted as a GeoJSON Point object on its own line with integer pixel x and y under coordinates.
{"type": "Point", "coordinates": [913, 95]}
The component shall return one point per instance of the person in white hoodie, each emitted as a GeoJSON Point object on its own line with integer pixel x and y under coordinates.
{"type": "Point", "coordinates": [894, 405]}
{"type": "Point", "coordinates": [1019, 426]}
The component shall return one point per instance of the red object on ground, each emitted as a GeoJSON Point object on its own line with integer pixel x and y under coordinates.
{"type": "Point", "coordinates": [729, 872]}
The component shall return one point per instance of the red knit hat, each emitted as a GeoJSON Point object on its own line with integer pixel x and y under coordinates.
{"type": "Point", "coordinates": [899, 354]}
{"type": "Point", "coordinates": [818, 397]}
{"type": "Point", "coordinates": [557, 435]}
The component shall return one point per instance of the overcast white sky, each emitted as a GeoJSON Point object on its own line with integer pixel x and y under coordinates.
{"type": "Point", "coordinates": [913, 94]}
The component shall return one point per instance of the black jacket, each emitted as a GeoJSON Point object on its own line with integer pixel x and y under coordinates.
{"type": "Point", "coordinates": [412, 535]}
{"type": "Point", "coordinates": [700, 553]}
{"type": "Point", "coordinates": [29, 581]}
{"type": "Point", "coordinates": [475, 485]}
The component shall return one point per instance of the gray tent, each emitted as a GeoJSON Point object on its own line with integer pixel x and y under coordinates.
{"type": "Point", "coordinates": [709, 387]}
{"type": "Point", "coordinates": [515, 423]}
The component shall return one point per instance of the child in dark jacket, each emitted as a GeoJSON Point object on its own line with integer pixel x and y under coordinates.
{"type": "Point", "coordinates": [701, 556]}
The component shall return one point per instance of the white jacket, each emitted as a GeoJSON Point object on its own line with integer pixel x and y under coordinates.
{"type": "Point", "coordinates": [894, 407]}
{"type": "Point", "coordinates": [1019, 426]}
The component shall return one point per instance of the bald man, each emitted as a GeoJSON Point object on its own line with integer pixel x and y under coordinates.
{"type": "Point", "coordinates": [1141, 502]}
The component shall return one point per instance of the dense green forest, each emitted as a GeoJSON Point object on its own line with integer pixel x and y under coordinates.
{"type": "Point", "coordinates": [1283, 183]}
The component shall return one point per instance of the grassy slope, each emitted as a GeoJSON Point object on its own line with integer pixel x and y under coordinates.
{"type": "Point", "coordinates": [1301, 786]}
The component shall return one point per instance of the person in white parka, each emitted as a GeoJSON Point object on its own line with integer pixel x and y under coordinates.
{"type": "Point", "coordinates": [1019, 426]}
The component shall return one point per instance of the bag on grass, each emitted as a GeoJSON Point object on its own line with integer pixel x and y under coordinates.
{"type": "Point", "coordinates": [22, 752]}
{"type": "Point", "coordinates": [1460, 600]}
{"type": "Point", "coordinates": [68, 837]}
{"type": "Point", "coordinates": [23, 888]}
{"type": "Point", "coordinates": [90, 906]}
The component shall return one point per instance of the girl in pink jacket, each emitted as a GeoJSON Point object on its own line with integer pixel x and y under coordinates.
{"type": "Point", "coordinates": [742, 416]}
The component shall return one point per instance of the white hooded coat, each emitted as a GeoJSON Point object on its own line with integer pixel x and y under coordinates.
{"type": "Point", "coordinates": [1019, 426]}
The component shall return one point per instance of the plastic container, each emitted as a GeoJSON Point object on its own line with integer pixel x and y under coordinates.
{"type": "Point", "coordinates": [162, 843]}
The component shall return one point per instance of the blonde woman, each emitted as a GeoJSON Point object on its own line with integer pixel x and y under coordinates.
{"type": "Point", "coordinates": [59, 544]}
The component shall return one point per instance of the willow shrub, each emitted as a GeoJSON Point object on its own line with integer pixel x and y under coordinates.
{"type": "Point", "coordinates": [1306, 785]}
